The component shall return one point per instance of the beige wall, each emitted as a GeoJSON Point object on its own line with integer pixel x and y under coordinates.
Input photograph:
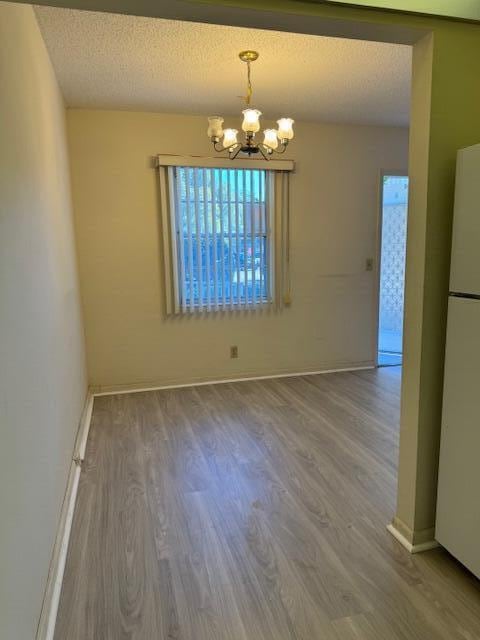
{"type": "Point", "coordinates": [334, 198]}
{"type": "Point", "coordinates": [42, 371]}
{"type": "Point", "coordinates": [465, 9]}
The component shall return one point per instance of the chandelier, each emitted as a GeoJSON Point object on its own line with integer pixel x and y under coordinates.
{"type": "Point", "coordinates": [274, 141]}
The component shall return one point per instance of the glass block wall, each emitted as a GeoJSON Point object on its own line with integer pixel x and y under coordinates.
{"type": "Point", "coordinates": [392, 267]}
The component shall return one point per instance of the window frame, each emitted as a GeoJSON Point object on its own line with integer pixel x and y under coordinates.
{"type": "Point", "coordinates": [279, 219]}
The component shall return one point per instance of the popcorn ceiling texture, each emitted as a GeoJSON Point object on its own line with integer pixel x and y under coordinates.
{"type": "Point", "coordinates": [109, 61]}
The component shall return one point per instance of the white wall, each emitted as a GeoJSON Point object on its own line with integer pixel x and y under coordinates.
{"type": "Point", "coordinates": [42, 368]}
{"type": "Point", "coordinates": [334, 206]}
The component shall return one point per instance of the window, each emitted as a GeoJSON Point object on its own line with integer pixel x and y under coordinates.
{"type": "Point", "coordinates": [223, 233]}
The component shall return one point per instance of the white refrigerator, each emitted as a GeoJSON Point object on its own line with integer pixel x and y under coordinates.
{"type": "Point", "coordinates": [458, 504]}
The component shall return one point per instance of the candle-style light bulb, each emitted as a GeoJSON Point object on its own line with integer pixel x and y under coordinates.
{"type": "Point", "coordinates": [215, 129]}
{"type": "Point", "coordinates": [229, 137]}
{"type": "Point", "coordinates": [251, 120]}
{"type": "Point", "coordinates": [270, 140]}
{"type": "Point", "coordinates": [285, 128]}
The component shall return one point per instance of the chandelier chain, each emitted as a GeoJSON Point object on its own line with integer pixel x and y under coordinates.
{"type": "Point", "coordinates": [249, 85]}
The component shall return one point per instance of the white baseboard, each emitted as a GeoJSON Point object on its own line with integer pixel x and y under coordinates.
{"type": "Point", "coordinates": [411, 548]}
{"type": "Point", "coordinates": [48, 616]}
{"type": "Point", "coordinates": [199, 383]}
{"type": "Point", "coordinates": [83, 429]}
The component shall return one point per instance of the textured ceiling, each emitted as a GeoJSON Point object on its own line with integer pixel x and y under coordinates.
{"type": "Point", "coordinates": [111, 61]}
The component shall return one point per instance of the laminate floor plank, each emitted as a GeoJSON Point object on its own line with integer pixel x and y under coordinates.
{"type": "Point", "coordinates": [253, 511]}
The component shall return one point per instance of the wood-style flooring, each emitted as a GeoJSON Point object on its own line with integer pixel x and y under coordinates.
{"type": "Point", "coordinates": [253, 511]}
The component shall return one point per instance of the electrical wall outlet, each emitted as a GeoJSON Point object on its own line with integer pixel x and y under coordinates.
{"type": "Point", "coordinates": [234, 351]}
{"type": "Point", "coordinates": [369, 264]}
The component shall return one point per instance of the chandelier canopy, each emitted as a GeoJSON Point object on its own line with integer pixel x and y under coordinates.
{"type": "Point", "coordinates": [274, 141]}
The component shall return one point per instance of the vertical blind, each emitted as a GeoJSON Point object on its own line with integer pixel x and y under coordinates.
{"type": "Point", "coordinates": [223, 237]}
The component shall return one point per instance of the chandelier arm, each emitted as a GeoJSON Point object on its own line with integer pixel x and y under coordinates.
{"type": "Point", "coordinates": [284, 148]}
{"type": "Point", "coordinates": [265, 156]}
{"type": "Point", "coordinates": [221, 148]}
{"type": "Point", "coordinates": [218, 146]}
{"type": "Point", "coordinates": [236, 152]}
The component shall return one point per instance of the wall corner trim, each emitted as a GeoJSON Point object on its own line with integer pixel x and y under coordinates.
{"type": "Point", "coordinates": [411, 548]}
{"type": "Point", "coordinates": [48, 615]}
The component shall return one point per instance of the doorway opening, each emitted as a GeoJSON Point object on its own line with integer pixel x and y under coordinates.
{"type": "Point", "coordinates": [393, 244]}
